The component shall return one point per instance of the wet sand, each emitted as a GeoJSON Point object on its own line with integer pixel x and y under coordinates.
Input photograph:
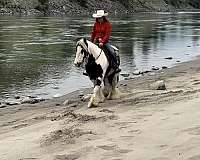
{"type": "Point", "coordinates": [144, 124]}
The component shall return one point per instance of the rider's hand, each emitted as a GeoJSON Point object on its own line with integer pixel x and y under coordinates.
{"type": "Point", "coordinates": [100, 44]}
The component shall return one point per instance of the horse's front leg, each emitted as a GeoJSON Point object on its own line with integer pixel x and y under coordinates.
{"type": "Point", "coordinates": [97, 96]}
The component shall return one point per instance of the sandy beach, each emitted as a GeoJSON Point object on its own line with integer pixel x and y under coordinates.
{"type": "Point", "coordinates": [144, 124]}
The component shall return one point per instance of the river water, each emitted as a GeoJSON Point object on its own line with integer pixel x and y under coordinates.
{"type": "Point", "coordinates": [37, 53]}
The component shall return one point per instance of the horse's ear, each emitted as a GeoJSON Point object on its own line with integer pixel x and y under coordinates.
{"type": "Point", "coordinates": [85, 41]}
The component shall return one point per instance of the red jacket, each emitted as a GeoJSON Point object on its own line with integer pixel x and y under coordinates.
{"type": "Point", "coordinates": [101, 30]}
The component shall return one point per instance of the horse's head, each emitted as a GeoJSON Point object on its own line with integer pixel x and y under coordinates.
{"type": "Point", "coordinates": [81, 52]}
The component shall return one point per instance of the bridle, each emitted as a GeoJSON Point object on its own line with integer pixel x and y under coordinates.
{"type": "Point", "coordinates": [86, 53]}
{"type": "Point", "coordinates": [83, 51]}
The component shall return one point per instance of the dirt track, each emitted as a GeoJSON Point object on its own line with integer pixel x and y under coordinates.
{"type": "Point", "coordinates": [143, 124]}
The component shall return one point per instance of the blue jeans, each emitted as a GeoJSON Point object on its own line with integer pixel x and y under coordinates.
{"type": "Point", "coordinates": [111, 52]}
{"type": "Point", "coordinates": [109, 47]}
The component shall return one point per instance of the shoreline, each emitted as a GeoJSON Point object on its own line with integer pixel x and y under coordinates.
{"type": "Point", "coordinates": [27, 99]}
{"type": "Point", "coordinates": [112, 14]}
{"type": "Point", "coordinates": [144, 123]}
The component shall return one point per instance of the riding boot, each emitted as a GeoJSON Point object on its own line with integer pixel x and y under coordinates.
{"type": "Point", "coordinates": [116, 68]}
{"type": "Point", "coordinates": [116, 64]}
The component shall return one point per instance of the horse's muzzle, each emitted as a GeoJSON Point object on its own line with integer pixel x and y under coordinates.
{"type": "Point", "coordinates": [77, 64]}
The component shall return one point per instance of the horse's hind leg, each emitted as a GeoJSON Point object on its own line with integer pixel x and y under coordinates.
{"type": "Point", "coordinates": [107, 87]}
{"type": "Point", "coordinates": [114, 93]}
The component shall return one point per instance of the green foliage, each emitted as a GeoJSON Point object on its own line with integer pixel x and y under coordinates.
{"type": "Point", "coordinates": [175, 3]}
{"type": "Point", "coordinates": [5, 2]}
{"type": "Point", "coordinates": [194, 3]}
{"type": "Point", "coordinates": [126, 3]}
{"type": "Point", "coordinates": [82, 3]}
{"type": "Point", "coordinates": [43, 2]}
{"type": "Point", "coordinates": [178, 3]}
{"type": "Point", "coordinates": [43, 6]}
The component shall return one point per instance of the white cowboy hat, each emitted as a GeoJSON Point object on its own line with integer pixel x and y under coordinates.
{"type": "Point", "coordinates": [100, 13]}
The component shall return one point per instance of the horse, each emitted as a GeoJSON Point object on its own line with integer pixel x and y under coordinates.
{"type": "Point", "coordinates": [99, 70]}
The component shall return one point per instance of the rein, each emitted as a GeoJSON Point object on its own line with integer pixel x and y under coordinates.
{"type": "Point", "coordinates": [99, 54]}
{"type": "Point", "coordinates": [86, 53]}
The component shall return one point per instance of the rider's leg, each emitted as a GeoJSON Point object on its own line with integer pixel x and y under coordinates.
{"type": "Point", "coordinates": [109, 47]}
{"type": "Point", "coordinates": [112, 54]}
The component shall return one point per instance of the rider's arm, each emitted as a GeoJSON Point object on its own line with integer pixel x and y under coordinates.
{"type": "Point", "coordinates": [93, 33]}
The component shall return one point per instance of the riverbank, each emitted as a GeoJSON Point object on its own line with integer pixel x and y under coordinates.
{"type": "Point", "coordinates": [143, 124]}
{"type": "Point", "coordinates": [77, 7]}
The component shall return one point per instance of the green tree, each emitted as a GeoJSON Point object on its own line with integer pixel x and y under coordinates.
{"type": "Point", "coordinates": [194, 3]}
{"type": "Point", "coordinates": [82, 3]}
{"type": "Point", "coordinates": [43, 6]}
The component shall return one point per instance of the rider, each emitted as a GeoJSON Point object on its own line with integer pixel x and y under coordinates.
{"type": "Point", "coordinates": [101, 33]}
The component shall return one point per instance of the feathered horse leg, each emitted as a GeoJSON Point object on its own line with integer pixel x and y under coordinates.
{"type": "Point", "coordinates": [97, 97]}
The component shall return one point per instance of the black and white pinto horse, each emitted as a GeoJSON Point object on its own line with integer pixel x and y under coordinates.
{"type": "Point", "coordinates": [99, 71]}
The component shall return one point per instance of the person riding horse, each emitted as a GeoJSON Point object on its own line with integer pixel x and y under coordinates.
{"type": "Point", "coordinates": [101, 33]}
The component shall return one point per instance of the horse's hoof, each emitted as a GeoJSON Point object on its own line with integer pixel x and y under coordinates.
{"type": "Point", "coordinates": [89, 105]}
{"type": "Point", "coordinates": [109, 96]}
{"type": "Point", "coordinates": [115, 97]}
{"type": "Point", "coordinates": [102, 100]}
{"type": "Point", "coordinates": [92, 102]}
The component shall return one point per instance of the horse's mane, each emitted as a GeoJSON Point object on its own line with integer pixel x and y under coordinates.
{"type": "Point", "coordinates": [84, 43]}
